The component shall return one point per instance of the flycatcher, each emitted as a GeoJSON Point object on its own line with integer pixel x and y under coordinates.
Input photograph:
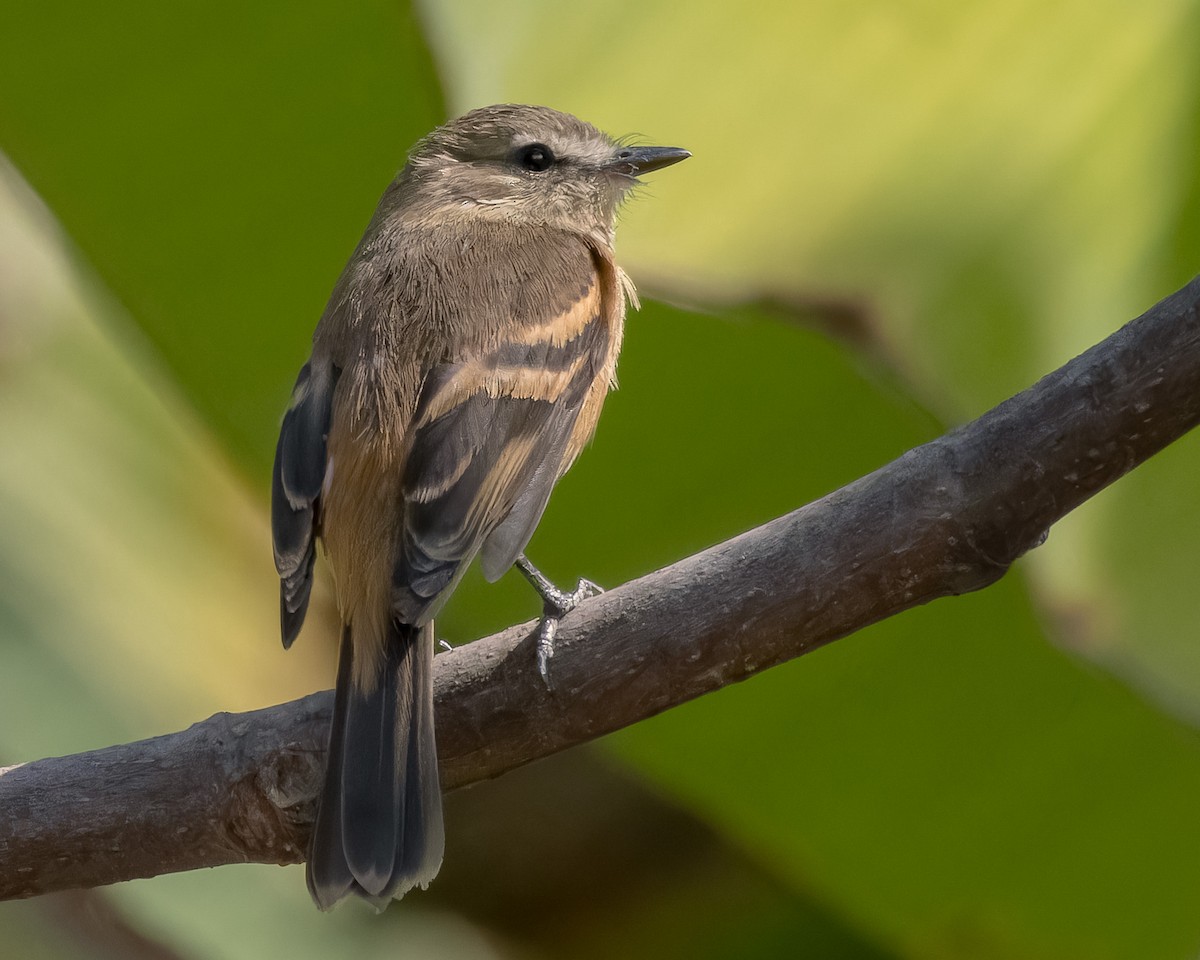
{"type": "Point", "coordinates": [457, 371]}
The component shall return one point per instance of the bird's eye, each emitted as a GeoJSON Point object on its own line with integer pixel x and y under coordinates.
{"type": "Point", "coordinates": [536, 157]}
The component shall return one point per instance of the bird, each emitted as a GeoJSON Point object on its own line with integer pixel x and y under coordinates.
{"type": "Point", "coordinates": [456, 372]}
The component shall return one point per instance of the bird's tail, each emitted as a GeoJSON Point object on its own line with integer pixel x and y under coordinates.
{"type": "Point", "coordinates": [378, 831]}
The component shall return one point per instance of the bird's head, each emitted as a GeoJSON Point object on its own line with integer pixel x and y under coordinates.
{"type": "Point", "coordinates": [528, 165]}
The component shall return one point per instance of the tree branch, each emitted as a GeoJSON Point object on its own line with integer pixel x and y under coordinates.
{"type": "Point", "coordinates": [946, 518]}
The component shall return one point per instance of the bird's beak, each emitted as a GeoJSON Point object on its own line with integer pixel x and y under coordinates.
{"type": "Point", "coordinates": [634, 161]}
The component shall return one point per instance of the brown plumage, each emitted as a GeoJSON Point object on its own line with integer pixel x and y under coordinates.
{"type": "Point", "coordinates": [456, 373]}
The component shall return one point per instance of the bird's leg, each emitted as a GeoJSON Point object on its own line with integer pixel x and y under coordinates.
{"type": "Point", "coordinates": [556, 604]}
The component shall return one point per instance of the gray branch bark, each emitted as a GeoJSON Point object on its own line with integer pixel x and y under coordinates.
{"type": "Point", "coordinates": [946, 518]}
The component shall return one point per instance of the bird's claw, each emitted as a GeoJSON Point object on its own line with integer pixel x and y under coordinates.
{"type": "Point", "coordinates": [556, 604]}
{"type": "Point", "coordinates": [547, 628]}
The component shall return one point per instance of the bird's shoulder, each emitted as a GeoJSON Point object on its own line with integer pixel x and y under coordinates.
{"type": "Point", "coordinates": [414, 299]}
{"type": "Point", "coordinates": [463, 287]}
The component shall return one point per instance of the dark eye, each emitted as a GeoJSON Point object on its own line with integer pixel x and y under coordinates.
{"type": "Point", "coordinates": [536, 157]}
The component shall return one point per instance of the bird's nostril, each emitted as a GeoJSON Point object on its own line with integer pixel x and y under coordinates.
{"type": "Point", "coordinates": [624, 154]}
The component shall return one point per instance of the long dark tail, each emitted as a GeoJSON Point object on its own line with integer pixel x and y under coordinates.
{"type": "Point", "coordinates": [379, 830]}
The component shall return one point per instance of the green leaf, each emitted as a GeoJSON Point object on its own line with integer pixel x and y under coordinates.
{"type": "Point", "coordinates": [216, 163]}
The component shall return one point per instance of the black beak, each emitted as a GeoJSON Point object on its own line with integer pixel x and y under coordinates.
{"type": "Point", "coordinates": [634, 161]}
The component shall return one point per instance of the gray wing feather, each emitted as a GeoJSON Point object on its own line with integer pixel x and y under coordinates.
{"type": "Point", "coordinates": [296, 482]}
{"type": "Point", "coordinates": [454, 504]}
{"type": "Point", "coordinates": [507, 541]}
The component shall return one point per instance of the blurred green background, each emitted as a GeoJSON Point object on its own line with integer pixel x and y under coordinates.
{"type": "Point", "coordinates": [896, 216]}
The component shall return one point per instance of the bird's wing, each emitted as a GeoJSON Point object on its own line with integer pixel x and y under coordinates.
{"type": "Point", "coordinates": [296, 482]}
{"type": "Point", "coordinates": [491, 435]}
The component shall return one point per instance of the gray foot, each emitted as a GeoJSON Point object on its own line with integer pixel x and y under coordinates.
{"type": "Point", "coordinates": [556, 604]}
